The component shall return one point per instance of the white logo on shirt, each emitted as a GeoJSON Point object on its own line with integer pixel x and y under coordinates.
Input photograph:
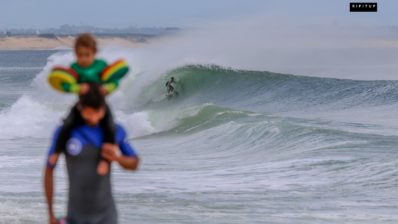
{"type": "Point", "coordinates": [74, 146]}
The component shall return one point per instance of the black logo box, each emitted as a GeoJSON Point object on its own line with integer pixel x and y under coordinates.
{"type": "Point", "coordinates": [363, 7]}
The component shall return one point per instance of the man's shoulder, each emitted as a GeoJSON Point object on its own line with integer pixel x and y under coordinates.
{"type": "Point", "coordinates": [57, 129]}
{"type": "Point", "coordinates": [120, 129]}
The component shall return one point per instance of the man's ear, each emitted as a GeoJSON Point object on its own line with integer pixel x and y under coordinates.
{"type": "Point", "coordinates": [79, 107]}
{"type": "Point", "coordinates": [103, 109]}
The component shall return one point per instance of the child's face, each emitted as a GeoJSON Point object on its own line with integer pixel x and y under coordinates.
{"type": "Point", "coordinates": [85, 56]}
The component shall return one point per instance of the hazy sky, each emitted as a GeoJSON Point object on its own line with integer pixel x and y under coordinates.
{"type": "Point", "coordinates": [181, 13]}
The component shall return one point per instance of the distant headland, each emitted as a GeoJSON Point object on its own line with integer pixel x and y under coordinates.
{"type": "Point", "coordinates": [63, 37]}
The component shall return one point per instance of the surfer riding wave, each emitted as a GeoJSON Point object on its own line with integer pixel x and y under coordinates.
{"type": "Point", "coordinates": [170, 85]}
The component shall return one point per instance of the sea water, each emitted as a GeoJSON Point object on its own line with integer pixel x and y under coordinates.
{"type": "Point", "coordinates": [235, 146]}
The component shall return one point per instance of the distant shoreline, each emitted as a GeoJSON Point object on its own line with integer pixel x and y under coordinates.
{"type": "Point", "coordinates": [53, 43]}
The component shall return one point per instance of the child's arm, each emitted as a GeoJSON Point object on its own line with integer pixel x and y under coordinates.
{"type": "Point", "coordinates": [76, 88]}
{"type": "Point", "coordinates": [64, 79]}
{"type": "Point", "coordinates": [71, 88]}
{"type": "Point", "coordinates": [112, 75]}
{"type": "Point", "coordinates": [110, 87]}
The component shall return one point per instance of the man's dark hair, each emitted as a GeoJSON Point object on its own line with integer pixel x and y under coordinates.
{"type": "Point", "coordinates": [93, 98]}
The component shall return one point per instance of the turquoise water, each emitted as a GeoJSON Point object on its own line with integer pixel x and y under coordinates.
{"type": "Point", "coordinates": [236, 146]}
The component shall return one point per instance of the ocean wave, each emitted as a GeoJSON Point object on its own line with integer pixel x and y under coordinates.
{"type": "Point", "coordinates": [268, 91]}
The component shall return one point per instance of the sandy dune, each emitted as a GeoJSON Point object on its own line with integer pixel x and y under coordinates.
{"type": "Point", "coordinates": [34, 43]}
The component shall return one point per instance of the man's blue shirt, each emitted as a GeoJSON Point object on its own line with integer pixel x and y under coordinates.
{"type": "Point", "coordinates": [92, 135]}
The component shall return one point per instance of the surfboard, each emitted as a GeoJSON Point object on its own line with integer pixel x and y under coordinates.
{"type": "Point", "coordinates": [62, 220]}
{"type": "Point", "coordinates": [172, 94]}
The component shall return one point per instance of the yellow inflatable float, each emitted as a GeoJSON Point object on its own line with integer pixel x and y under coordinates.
{"type": "Point", "coordinates": [60, 76]}
{"type": "Point", "coordinates": [115, 71]}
